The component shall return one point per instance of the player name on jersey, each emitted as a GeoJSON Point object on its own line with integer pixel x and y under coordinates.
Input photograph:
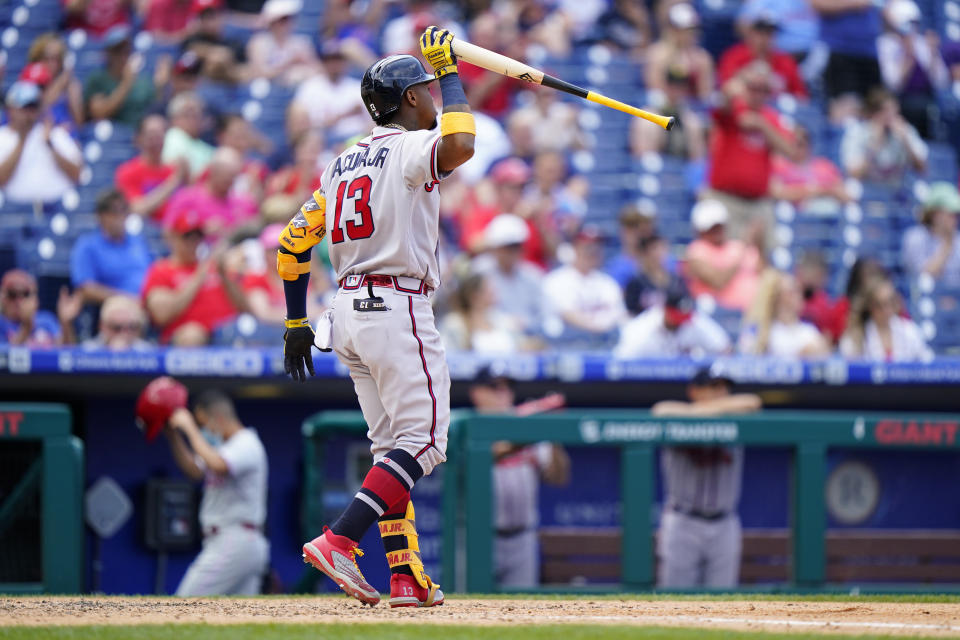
{"type": "Point", "coordinates": [357, 159]}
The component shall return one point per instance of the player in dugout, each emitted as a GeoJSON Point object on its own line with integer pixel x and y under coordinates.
{"type": "Point", "coordinates": [235, 553]}
{"type": "Point", "coordinates": [699, 543]}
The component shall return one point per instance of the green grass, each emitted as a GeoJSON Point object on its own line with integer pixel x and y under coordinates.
{"type": "Point", "coordinates": [391, 632]}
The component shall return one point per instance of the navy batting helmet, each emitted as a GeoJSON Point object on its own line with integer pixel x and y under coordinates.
{"type": "Point", "coordinates": [385, 82]}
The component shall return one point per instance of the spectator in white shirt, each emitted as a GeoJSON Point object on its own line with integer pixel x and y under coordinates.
{"type": "Point", "coordinates": [884, 146]}
{"type": "Point", "coordinates": [331, 100]}
{"type": "Point", "coordinates": [584, 304]}
{"type": "Point", "coordinates": [277, 52]}
{"type": "Point", "coordinates": [774, 327]}
{"type": "Point", "coordinates": [475, 325]}
{"type": "Point", "coordinates": [672, 329]}
{"type": "Point", "coordinates": [933, 246]}
{"type": "Point", "coordinates": [876, 332]}
{"type": "Point", "coordinates": [39, 162]}
{"type": "Point", "coordinates": [517, 283]}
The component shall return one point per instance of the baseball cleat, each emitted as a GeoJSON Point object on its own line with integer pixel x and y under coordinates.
{"type": "Point", "coordinates": [336, 557]}
{"type": "Point", "coordinates": [405, 591]}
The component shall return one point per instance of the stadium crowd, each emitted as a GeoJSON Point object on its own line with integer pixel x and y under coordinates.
{"type": "Point", "coordinates": [531, 260]}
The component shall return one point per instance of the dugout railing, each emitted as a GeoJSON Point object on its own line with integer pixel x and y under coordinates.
{"type": "Point", "coordinates": [467, 493]}
{"type": "Point", "coordinates": [41, 500]}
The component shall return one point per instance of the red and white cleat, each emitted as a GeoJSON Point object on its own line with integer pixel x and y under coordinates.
{"type": "Point", "coordinates": [405, 591]}
{"type": "Point", "coordinates": [336, 556]}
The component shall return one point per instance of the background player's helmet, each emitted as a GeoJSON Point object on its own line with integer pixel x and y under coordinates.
{"type": "Point", "coordinates": [385, 82]}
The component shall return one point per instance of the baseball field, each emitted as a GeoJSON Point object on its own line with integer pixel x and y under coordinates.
{"type": "Point", "coordinates": [493, 617]}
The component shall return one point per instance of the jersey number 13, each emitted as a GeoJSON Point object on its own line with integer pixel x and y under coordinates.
{"type": "Point", "coordinates": [362, 225]}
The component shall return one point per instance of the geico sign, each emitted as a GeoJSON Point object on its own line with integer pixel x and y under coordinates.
{"type": "Point", "coordinates": [214, 362]}
{"type": "Point", "coordinates": [922, 432]}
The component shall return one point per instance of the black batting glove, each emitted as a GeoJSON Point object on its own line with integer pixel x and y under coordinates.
{"type": "Point", "coordinates": [297, 346]}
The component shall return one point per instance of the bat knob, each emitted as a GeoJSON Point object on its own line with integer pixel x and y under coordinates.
{"type": "Point", "coordinates": [670, 123]}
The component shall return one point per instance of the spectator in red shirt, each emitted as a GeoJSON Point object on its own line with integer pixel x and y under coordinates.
{"type": "Point", "coordinates": [812, 182]}
{"type": "Point", "coordinates": [301, 178]}
{"type": "Point", "coordinates": [745, 135]}
{"type": "Point", "coordinates": [167, 19]}
{"type": "Point", "coordinates": [488, 91]}
{"type": "Point", "coordinates": [757, 44]}
{"type": "Point", "coordinates": [829, 316]}
{"type": "Point", "coordinates": [184, 297]}
{"type": "Point", "coordinates": [219, 209]}
{"type": "Point", "coordinates": [145, 181]}
{"type": "Point", "coordinates": [96, 16]}
{"type": "Point", "coordinates": [234, 132]}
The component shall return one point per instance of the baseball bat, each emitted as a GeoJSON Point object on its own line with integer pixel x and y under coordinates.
{"type": "Point", "coordinates": [503, 65]}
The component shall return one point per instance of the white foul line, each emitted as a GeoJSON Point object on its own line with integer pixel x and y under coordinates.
{"type": "Point", "coordinates": [760, 621]}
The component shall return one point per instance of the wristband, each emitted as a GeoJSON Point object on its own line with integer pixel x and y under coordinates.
{"type": "Point", "coordinates": [457, 122]}
{"type": "Point", "coordinates": [297, 322]}
{"type": "Point", "coordinates": [451, 90]}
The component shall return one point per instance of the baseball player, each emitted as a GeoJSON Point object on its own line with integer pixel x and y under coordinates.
{"type": "Point", "coordinates": [380, 202]}
{"type": "Point", "coordinates": [235, 552]}
{"type": "Point", "coordinates": [699, 542]}
{"type": "Point", "coordinates": [517, 472]}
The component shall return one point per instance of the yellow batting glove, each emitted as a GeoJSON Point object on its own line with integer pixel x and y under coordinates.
{"type": "Point", "coordinates": [435, 47]}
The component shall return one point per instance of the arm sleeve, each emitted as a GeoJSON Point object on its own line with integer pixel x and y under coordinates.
{"type": "Point", "coordinates": [418, 152]}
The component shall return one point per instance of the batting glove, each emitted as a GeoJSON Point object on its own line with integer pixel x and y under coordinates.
{"type": "Point", "coordinates": [435, 47]}
{"type": "Point", "coordinates": [297, 345]}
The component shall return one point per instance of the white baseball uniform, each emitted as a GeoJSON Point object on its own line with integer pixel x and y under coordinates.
{"type": "Point", "coordinates": [235, 553]}
{"type": "Point", "coordinates": [383, 220]}
{"type": "Point", "coordinates": [699, 542]}
{"type": "Point", "coordinates": [516, 491]}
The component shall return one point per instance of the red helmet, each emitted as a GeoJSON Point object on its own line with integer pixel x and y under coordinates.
{"type": "Point", "coordinates": [157, 402]}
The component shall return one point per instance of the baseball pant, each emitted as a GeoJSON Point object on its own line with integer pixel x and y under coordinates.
{"type": "Point", "coordinates": [517, 559]}
{"type": "Point", "coordinates": [694, 552]}
{"type": "Point", "coordinates": [233, 562]}
{"type": "Point", "coordinates": [399, 371]}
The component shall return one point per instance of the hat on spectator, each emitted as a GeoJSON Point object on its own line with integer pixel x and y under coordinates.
{"type": "Point", "coordinates": [706, 376]}
{"type": "Point", "coordinates": [943, 196]}
{"type": "Point", "coordinates": [903, 14]}
{"type": "Point", "coordinates": [116, 35]}
{"type": "Point", "coordinates": [199, 6]}
{"type": "Point", "coordinates": [23, 94]}
{"type": "Point", "coordinates": [188, 63]}
{"type": "Point", "coordinates": [764, 19]}
{"type": "Point", "coordinates": [505, 230]}
{"type": "Point", "coordinates": [37, 73]}
{"type": "Point", "coordinates": [683, 16]}
{"type": "Point", "coordinates": [707, 214]}
{"type": "Point", "coordinates": [270, 236]}
{"type": "Point", "coordinates": [274, 10]}
{"type": "Point", "coordinates": [512, 170]}
{"type": "Point", "coordinates": [185, 220]}
{"type": "Point", "coordinates": [589, 233]}
{"type": "Point", "coordinates": [678, 306]}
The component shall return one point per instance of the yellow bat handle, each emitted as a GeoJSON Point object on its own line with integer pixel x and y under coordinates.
{"type": "Point", "coordinates": [664, 121]}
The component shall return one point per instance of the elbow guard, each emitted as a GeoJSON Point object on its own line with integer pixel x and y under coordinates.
{"type": "Point", "coordinates": [307, 227]}
{"type": "Point", "coordinates": [289, 267]}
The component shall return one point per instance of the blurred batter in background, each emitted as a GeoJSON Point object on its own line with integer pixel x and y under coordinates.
{"type": "Point", "coordinates": [700, 540]}
{"type": "Point", "coordinates": [516, 481]}
{"type": "Point", "coordinates": [235, 553]}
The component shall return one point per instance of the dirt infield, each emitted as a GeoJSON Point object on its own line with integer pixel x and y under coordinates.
{"type": "Point", "coordinates": [893, 618]}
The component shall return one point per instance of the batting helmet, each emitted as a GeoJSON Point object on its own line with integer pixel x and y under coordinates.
{"type": "Point", "coordinates": [385, 82]}
{"type": "Point", "coordinates": [157, 402]}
